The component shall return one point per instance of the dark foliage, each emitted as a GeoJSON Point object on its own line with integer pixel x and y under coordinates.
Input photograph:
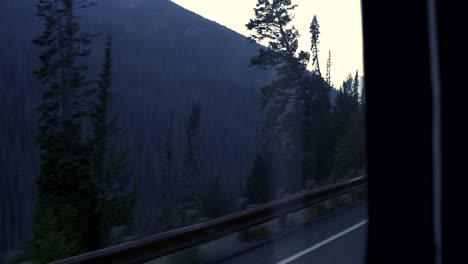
{"type": "Point", "coordinates": [258, 185]}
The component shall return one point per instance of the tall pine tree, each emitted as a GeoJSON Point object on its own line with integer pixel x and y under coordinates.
{"type": "Point", "coordinates": [318, 136]}
{"type": "Point", "coordinates": [356, 92]}
{"type": "Point", "coordinates": [271, 23]}
{"type": "Point", "coordinates": [258, 186]}
{"type": "Point", "coordinates": [109, 164]}
{"type": "Point", "coordinates": [350, 153]}
{"type": "Point", "coordinates": [189, 199]}
{"type": "Point", "coordinates": [346, 103]}
{"type": "Point", "coordinates": [283, 98]}
{"type": "Point", "coordinates": [213, 203]}
{"type": "Point", "coordinates": [349, 119]}
{"type": "Point", "coordinates": [315, 32]}
{"type": "Point", "coordinates": [318, 139]}
{"type": "Point", "coordinates": [329, 64]}
{"type": "Point", "coordinates": [66, 196]}
{"type": "Point", "coordinates": [166, 215]}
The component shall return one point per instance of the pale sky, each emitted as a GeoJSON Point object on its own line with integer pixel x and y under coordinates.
{"type": "Point", "coordinates": [340, 28]}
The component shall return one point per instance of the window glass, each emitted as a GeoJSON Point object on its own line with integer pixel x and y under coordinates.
{"type": "Point", "coordinates": [122, 119]}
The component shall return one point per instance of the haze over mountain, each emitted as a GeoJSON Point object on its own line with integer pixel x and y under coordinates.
{"type": "Point", "coordinates": [165, 59]}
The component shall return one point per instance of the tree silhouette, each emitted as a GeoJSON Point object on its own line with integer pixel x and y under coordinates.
{"type": "Point", "coordinates": [315, 32]}
{"type": "Point", "coordinates": [329, 64]}
{"type": "Point", "coordinates": [110, 166]}
{"type": "Point", "coordinates": [66, 195]}
{"type": "Point", "coordinates": [192, 171]}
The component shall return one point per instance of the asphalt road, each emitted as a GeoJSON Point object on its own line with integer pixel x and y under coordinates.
{"type": "Point", "coordinates": [337, 239]}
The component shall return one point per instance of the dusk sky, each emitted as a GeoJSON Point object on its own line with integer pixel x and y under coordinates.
{"type": "Point", "coordinates": [340, 27]}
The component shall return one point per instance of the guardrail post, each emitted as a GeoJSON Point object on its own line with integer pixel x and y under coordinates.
{"type": "Point", "coordinates": [241, 204]}
{"type": "Point", "coordinates": [280, 193]}
{"type": "Point", "coordinates": [283, 220]}
{"type": "Point", "coordinates": [328, 204]}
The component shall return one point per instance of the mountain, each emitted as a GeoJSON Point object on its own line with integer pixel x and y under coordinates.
{"type": "Point", "coordinates": [165, 59]}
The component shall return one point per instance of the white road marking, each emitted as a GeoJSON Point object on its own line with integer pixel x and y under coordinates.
{"type": "Point", "coordinates": [324, 242]}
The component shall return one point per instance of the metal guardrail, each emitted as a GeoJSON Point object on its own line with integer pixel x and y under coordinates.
{"type": "Point", "coordinates": [153, 247]}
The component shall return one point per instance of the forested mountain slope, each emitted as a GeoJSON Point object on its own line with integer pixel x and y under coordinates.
{"type": "Point", "coordinates": [165, 59]}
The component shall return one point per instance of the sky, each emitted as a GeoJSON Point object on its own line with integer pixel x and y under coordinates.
{"type": "Point", "coordinates": [340, 28]}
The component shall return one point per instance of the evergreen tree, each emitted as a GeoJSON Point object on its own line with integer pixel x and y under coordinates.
{"type": "Point", "coordinates": [284, 98]}
{"type": "Point", "coordinates": [271, 23]}
{"type": "Point", "coordinates": [363, 98]}
{"type": "Point", "coordinates": [329, 64]}
{"type": "Point", "coordinates": [213, 203]}
{"type": "Point", "coordinates": [165, 214]}
{"type": "Point", "coordinates": [315, 32]}
{"type": "Point", "coordinates": [349, 119]}
{"type": "Point", "coordinates": [189, 200]}
{"type": "Point", "coordinates": [356, 88]}
{"type": "Point", "coordinates": [258, 186]}
{"type": "Point", "coordinates": [318, 134]}
{"type": "Point", "coordinates": [110, 165]}
{"type": "Point", "coordinates": [346, 104]}
{"type": "Point", "coordinates": [350, 154]}
{"type": "Point", "coordinates": [66, 196]}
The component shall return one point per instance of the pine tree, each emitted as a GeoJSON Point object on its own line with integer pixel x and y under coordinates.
{"type": "Point", "coordinates": [363, 98]}
{"type": "Point", "coordinates": [258, 186]}
{"type": "Point", "coordinates": [346, 104]}
{"type": "Point", "coordinates": [315, 32]}
{"type": "Point", "coordinates": [110, 165]}
{"type": "Point", "coordinates": [318, 137]}
{"type": "Point", "coordinates": [329, 64]}
{"type": "Point", "coordinates": [272, 23]}
{"type": "Point", "coordinates": [192, 172]}
{"type": "Point", "coordinates": [350, 154]}
{"type": "Point", "coordinates": [65, 192]}
{"type": "Point", "coordinates": [283, 98]}
{"type": "Point", "coordinates": [213, 203]}
{"type": "Point", "coordinates": [82, 186]}
{"type": "Point", "coordinates": [355, 91]}
{"type": "Point", "coordinates": [349, 119]}
{"type": "Point", "coordinates": [165, 214]}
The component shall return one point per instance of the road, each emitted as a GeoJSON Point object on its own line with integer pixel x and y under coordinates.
{"type": "Point", "coordinates": [337, 239]}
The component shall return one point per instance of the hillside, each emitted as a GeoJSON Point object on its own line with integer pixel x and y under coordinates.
{"type": "Point", "coordinates": [165, 58]}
